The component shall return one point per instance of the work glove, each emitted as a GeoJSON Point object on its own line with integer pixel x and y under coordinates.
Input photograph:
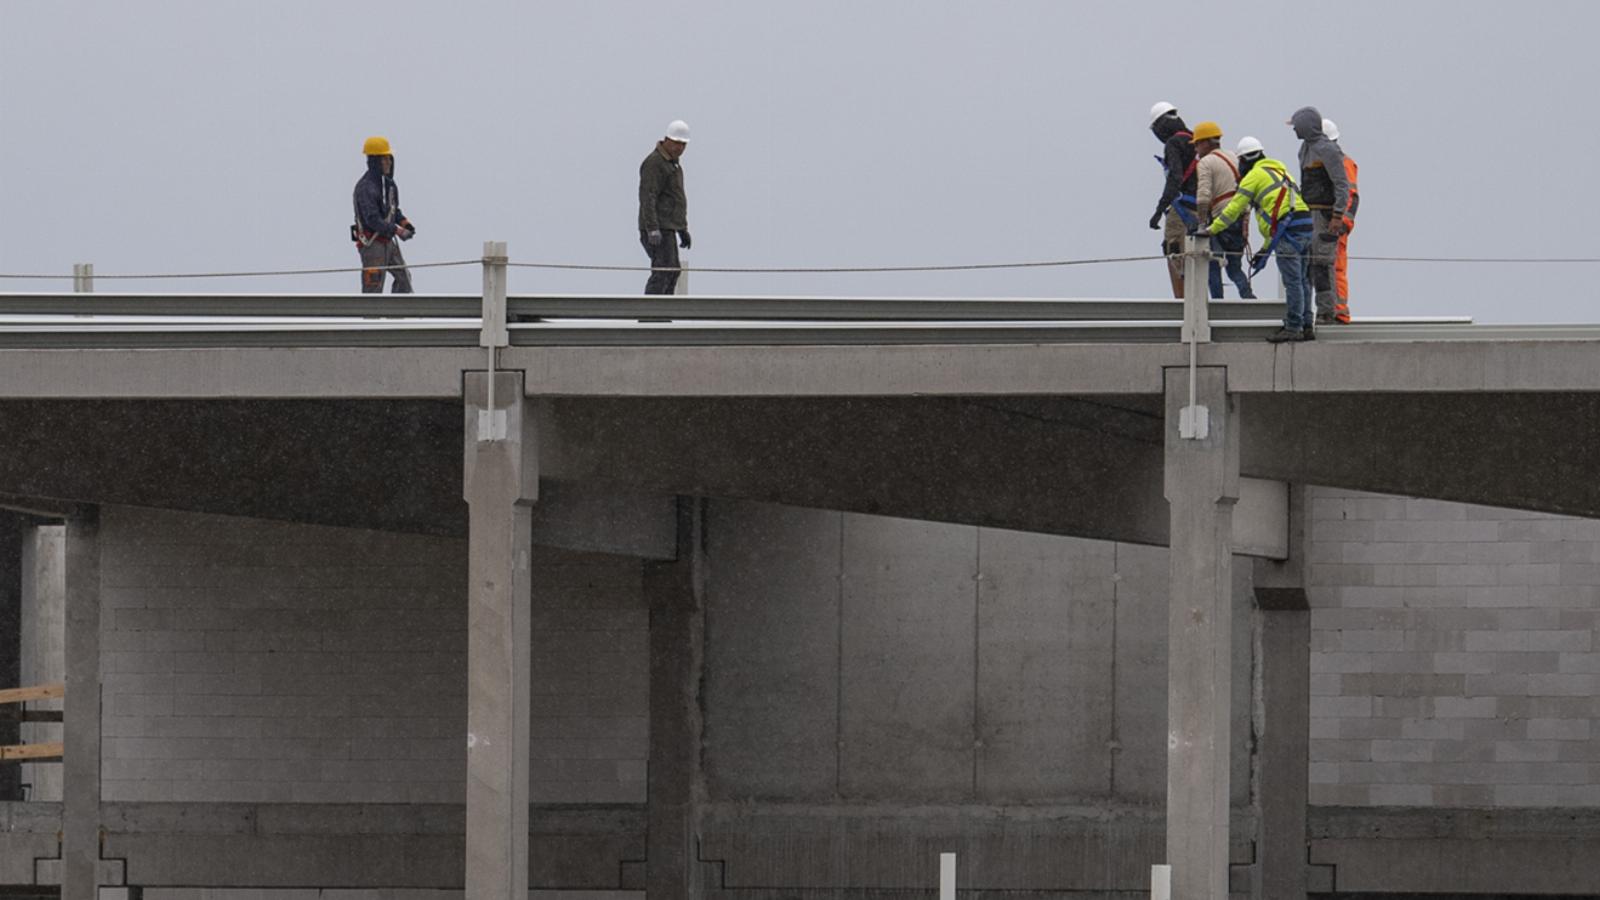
{"type": "Point", "coordinates": [1258, 261]}
{"type": "Point", "coordinates": [1155, 221]}
{"type": "Point", "coordinates": [406, 223]}
{"type": "Point", "coordinates": [654, 237]}
{"type": "Point", "coordinates": [403, 233]}
{"type": "Point", "coordinates": [683, 239]}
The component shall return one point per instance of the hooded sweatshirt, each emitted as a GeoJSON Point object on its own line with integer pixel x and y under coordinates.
{"type": "Point", "coordinates": [1177, 158]}
{"type": "Point", "coordinates": [1323, 183]}
{"type": "Point", "coordinates": [377, 200]}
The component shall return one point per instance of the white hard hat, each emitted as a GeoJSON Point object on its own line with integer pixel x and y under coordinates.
{"type": "Point", "coordinates": [678, 130]}
{"type": "Point", "coordinates": [1161, 109]}
{"type": "Point", "coordinates": [1330, 129]}
{"type": "Point", "coordinates": [1249, 145]}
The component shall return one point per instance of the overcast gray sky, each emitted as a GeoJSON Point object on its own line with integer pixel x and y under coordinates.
{"type": "Point", "coordinates": [198, 135]}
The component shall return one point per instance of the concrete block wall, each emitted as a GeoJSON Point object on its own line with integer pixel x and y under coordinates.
{"type": "Point", "coordinates": [1455, 655]}
{"type": "Point", "coordinates": [248, 660]}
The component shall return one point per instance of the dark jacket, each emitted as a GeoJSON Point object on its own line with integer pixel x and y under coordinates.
{"type": "Point", "coordinates": [377, 200]}
{"type": "Point", "coordinates": [1178, 158]}
{"type": "Point", "coordinates": [1323, 182]}
{"type": "Point", "coordinates": [662, 204]}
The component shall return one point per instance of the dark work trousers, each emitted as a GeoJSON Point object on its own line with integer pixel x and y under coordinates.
{"type": "Point", "coordinates": [376, 255]}
{"type": "Point", "coordinates": [664, 259]}
{"type": "Point", "coordinates": [1230, 243]}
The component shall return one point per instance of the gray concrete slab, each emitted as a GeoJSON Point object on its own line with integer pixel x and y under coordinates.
{"type": "Point", "coordinates": [501, 476]}
{"type": "Point", "coordinates": [1041, 369]}
{"type": "Point", "coordinates": [907, 660]}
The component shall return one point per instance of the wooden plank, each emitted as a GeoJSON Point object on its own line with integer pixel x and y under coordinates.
{"type": "Point", "coordinates": [33, 752]}
{"type": "Point", "coordinates": [39, 692]}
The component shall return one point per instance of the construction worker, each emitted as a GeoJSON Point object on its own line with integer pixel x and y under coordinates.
{"type": "Point", "coordinates": [380, 225]}
{"type": "Point", "coordinates": [1216, 179]}
{"type": "Point", "coordinates": [1286, 226]}
{"type": "Point", "coordinates": [1341, 263]}
{"type": "Point", "coordinates": [1176, 205]}
{"type": "Point", "coordinates": [1327, 193]}
{"type": "Point", "coordinates": [663, 209]}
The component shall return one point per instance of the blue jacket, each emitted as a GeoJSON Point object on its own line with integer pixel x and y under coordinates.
{"type": "Point", "coordinates": [377, 200]}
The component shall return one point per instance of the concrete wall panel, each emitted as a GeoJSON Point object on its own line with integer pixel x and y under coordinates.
{"type": "Point", "coordinates": [256, 661]}
{"type": "Point", "coordinates": [1045, 624]}
{"type": "Point", "coordinates": [772, 652]}
{"type": "Point", "coordinates": [908, 660]}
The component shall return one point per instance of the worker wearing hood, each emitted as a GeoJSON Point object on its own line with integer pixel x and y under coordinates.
{"type": "Point", "coordinates": [1177, 194]}
{"type": "Point", "coordinates": [1326, 190]}
{"type": "Point", "coordinates": [380, 225]}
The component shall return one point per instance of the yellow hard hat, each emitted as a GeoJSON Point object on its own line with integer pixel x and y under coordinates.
{"type": "Point", "coordinates": [377, 146]}
{"type": "Point", "coordinates": [1205, 131]}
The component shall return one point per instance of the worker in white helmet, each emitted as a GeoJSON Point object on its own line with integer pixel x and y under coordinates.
{"type": "Point", "coordinates": [1341, 262]}
{"type": "Point", "coordinates": [663, 209]}
{"type": "Point", "coordinates": [1175, 211]}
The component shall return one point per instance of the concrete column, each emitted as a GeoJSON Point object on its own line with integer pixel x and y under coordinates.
{"type": "Point", "coordinates": [1202, 484]}
{"type": "Point", "coordinates": [501, 482]}
{"type": "Point", "coordinates": [43, 658]}
{"type": "Point", "coordinates": [675, 592]}
{"type": "Point", "coordinates": [1282, 719]}
{"type": "Point", "coordinates": [80, 767]}
{"type": "Point", "coordinates": [12, 528]}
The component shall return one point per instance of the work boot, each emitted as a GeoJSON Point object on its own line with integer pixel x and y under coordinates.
{"type": "Point", "coordinates": [1325, 318]}
{"type": "Point", "coordinates": [1286, 334]}
{"type": "Point", "coordinates": [1308, 334]}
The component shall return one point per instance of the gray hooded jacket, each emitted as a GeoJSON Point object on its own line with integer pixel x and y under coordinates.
{"type": "Point", "coordinates": [1323, 183]}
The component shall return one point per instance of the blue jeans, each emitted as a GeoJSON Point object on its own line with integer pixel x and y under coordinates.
{"type": "Point", "coordinates": [1294, 267]}
{"type": "Point", "coordinates": [1229, 243]}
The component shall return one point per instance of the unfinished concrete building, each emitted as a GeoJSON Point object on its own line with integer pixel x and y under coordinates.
{"type": "Point", "coordinates": [791, 618]}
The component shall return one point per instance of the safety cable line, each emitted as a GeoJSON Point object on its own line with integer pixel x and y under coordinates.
{"type": "Point", "coordinates": [777, 270]}
{"type": "Point", "coordinates": [826, 270]}
{"type": "Point", "coordinates": [97, 276]}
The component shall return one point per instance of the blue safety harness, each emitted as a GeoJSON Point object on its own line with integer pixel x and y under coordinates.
{"type": "Point", "coordinates": [1186, 206]}
{"type": "Point", "coordinates": [1293, 227]}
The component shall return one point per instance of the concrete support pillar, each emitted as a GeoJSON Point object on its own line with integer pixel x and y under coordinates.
{"type": "Point", "coordinates": [675, 592]}
{"type": "Point", "coordinates": [12, 529]}
{"type": "Point", "coordinates": [1201, 484]}
{"type": "Point", "coordinates": [1282, 719]}
{"type": "Point", "coordinates": [501, 482]}
{"type": "Point", "coordinates": [80, 767]}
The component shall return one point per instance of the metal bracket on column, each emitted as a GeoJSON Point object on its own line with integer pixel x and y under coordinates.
{"type": "Point", "coordinates": [1194, 420]}
{"type": "Point", "coordinates": [494, 334]}
{"type": "Point", "coordinates": [1196, 265]}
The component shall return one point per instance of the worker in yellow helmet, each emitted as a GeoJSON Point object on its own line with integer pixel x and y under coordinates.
{"type": "Point", "coordinates": [1285, 223]}
{"type": "Point", "coordinates": [380, 225]}
{"type": "Point", "coordinates": [1216, 180]}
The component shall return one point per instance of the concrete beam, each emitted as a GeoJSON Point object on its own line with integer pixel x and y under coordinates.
{"type": "Point", "coordinates": [675, 592]}
{"type": "Point", "coordinates": [1058, 466]}
{"type": "Point", "coordinates": [501, 467]}
{"type": "Point", "coordinates": [1522, 451]}
{"type": "Point", "coordinates": [1201, 485]}
{"type": "Point", "coordinates": [601, 518]}
{"type": "Point", "coordinates": [80, 826]}
{"type": "Point", "coordinates": [323, 373]}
